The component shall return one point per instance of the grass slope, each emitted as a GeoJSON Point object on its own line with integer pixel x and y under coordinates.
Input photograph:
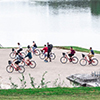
{"type": "Point", "coordinates": [80, 93]}
{"type": "Point", "coordinates": [77, 48]}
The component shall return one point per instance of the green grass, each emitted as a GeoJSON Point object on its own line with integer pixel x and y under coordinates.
{"type": "Point", "coordinates": [62, 47]}
{"type": "Point", "coordinates": [77, 49]}
{"type": "Point", "coordinates": [16, 47]}
{"type": "Point", "coordinates": [80, 93]}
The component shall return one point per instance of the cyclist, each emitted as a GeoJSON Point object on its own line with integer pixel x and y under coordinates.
{"type": "Point", "coordinates": [45, 49]}
{"type": "Point", "coordinates": [91, 54]}
{"type": "Point", "coordinates": [29, 48]}
{"type": "Point", "coordinates": [29, 55]}
{"type": "Point", "coordinates": [19, 48]}
{"type": "Point", "coordinates": [71, 53]}
{"type": "Point", "coordinates": [18, 59]}
{"type": "Point", "coordinates": [34, 46]}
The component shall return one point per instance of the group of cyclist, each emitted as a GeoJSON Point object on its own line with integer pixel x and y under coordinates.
{"type": "Point", "coordinates": [18, 58]}
{"type": "Point", "coordinates": [47, 49]}
{"type": "Point", "coordinates": [90, 55]}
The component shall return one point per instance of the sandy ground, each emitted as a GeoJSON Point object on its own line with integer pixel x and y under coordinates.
{"type": "Point", "coordinates": [55, 69]}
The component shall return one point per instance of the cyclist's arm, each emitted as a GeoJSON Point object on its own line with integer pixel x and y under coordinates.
{"type": "Point", "coordinates": [69, 52]}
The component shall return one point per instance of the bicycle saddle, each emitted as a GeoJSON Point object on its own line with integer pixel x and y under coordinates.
{"type": "Point", "coordinates": [63, 54]}
{"type": "Point", "coordinates": [83, 55]}
{"type": "Point", "coordinates": [9, 62]}
{"type": "Point", "coordinates": [12, 49]}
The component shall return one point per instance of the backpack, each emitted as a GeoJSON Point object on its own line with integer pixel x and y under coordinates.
{"type": "Point", "coordinates": [51, 46]}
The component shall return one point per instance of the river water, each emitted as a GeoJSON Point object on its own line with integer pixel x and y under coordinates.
{"type": "Point", "coordinates": [66, 23]}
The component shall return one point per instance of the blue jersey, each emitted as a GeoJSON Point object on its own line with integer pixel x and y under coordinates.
{"type": "Point", "coordinates": [92, 52]}
{"type": "Point", "coordinates": [29, 55]}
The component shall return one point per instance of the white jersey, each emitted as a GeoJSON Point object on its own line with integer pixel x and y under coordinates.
{"type": "Point", "coordinates": [19, 46]}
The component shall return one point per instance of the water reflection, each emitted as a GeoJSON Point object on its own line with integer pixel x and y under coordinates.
{"type": "Point", "coordinates": [56, 5]}
{"type": "Point", "coordinates": [64, 21]}
{"type": "Point", "coordinates": [95, 7]}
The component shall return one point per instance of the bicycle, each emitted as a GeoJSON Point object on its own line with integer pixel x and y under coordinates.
{"type": "Point", "coordinates": [31, 64]}
{"type": "Point", "coordinates": [84, 61]}
{"type": "Point", "coordinates": [13, 54]}
{"type": "Point", "coordinates": [10, 68]}
{"type": "Point", "coordinates": [65, 58]}
{"type": "Point", "coordinates": [36, 51]}
{"type": "Point", "coordinates": [43, 55]}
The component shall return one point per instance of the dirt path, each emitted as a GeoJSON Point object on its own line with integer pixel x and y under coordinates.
{"type": "Point", "coordinates": [55, 69]}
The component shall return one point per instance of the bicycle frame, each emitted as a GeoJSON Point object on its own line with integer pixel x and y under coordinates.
{"type": "Point", "coordinates": [86, 59]}
{"type": "Point", "coordinates": [67, 57]}
{"type": "Point", "coordinates": [27, 63]}
{"type": "Point", "coordinates": [32, 50]}
{"type": "Point", "coordinates": [15, 52]}
{"type": "Point", "coordinates": [14, 66]}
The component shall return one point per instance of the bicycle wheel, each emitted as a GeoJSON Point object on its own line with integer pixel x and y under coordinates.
{"type": "Point", "coordinates": [52, 56]}
{"type": "Point", "coordinates": [9, 69]}
{"type": "Point", "coordinates": [63, 60]}
{"type": "Point", "coordinates": [42, 56]}
{"type": "Point", "coordinates": [12, 55]}
{"type": "Point", "coordinates": [32, 64]}
{"type": "Point", "coordinates": [21, 69]}
{"type": "Point", "coordinates": [83, 62]}
{"type": "Point", "coordinates": [74, 60]}
{"type": "Point", "coordinates": [94, 62]}
{"type": "Point", "coordinates": [26, 52]}
{"type": "Point", "coordinates": [37, 52]}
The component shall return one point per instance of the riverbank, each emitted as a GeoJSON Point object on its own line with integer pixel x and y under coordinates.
{"type": "Point", "coordinates": [76, 48]}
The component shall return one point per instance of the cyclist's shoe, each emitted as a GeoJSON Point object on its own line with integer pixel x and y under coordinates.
{"type": "Point", "coordinates": [70, 59]}
{"type": "Point", "coordinates": [45, 60]}
{"type": "Point", "coordinates": [28, 64]}
{"type": "Point", "coordinates": [90, 62]}
{"type": "Point", "coordinates": [50, 59]}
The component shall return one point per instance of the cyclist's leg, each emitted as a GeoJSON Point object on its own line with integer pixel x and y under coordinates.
{"type": "Point", "coordinates": [33, 49]}
{"type": "Point", "coordinates": [16, 64]}
{"type": "Point", "coordinates": [49, 56]}
{"type": "Point", "coordinates": [70, 55]}
{"type": "Point", "coordinates": [91, 57]}
{"type": "Point", "coordinates": [19, 50]}
{"type": "Point", "coordinates": [45, 54]}
{"type": "Point", "coordinates": [46, 58]}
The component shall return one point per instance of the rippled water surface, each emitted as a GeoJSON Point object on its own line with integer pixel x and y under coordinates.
{"type": "Point", "coordinates": [75, 23]}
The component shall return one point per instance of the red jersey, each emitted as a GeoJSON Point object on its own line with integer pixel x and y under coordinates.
{"type": "Point", "coordinates": [72, 51]}
{"type": "Point", "coordinates": [45, 49]}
